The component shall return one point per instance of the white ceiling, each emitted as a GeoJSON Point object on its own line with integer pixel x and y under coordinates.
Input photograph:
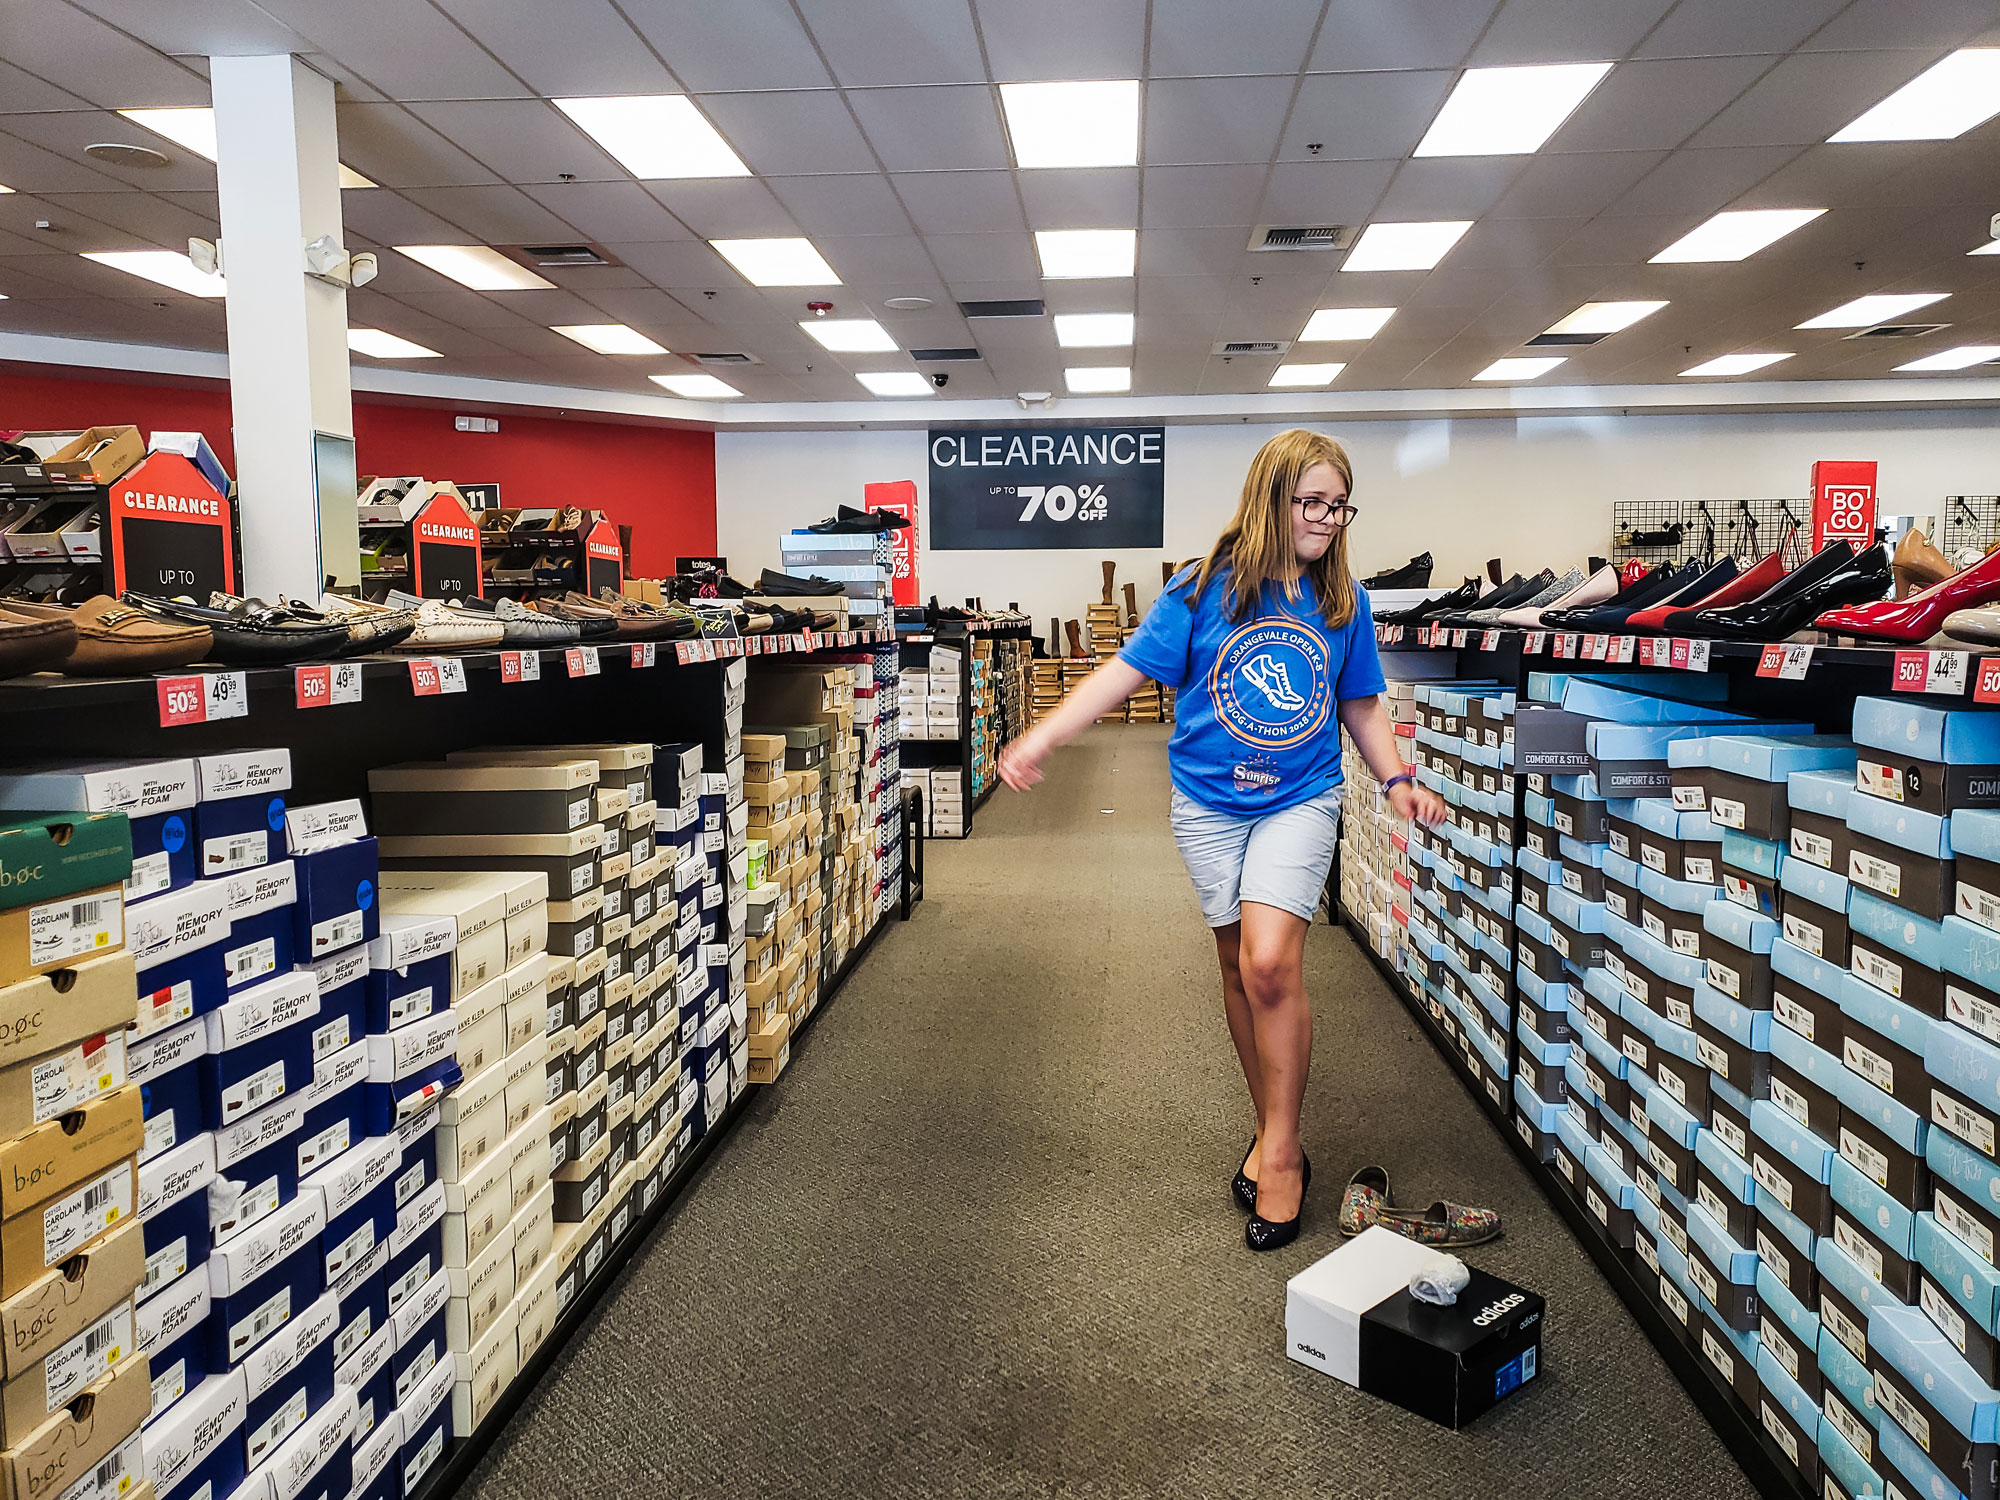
{"type": "Point", "coordinates": [873, 126]}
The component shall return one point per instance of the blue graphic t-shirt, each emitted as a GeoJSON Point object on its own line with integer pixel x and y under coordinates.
{"type": "Point", "coordinates": [1254, 716]}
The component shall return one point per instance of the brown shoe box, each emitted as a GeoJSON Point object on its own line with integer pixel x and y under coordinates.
{"type": "Point", "coordinates": [1679, 930]}
{"type": "Point", "coordinates": [1798, 1095]}
{"type": "Point", "coordinates": [1580, 950]}
{"type": "Point", "coordinates": [1792, 1266]}
{"type": "Point", "coordinates": [1736, 972]}
{"type": "Point", "coordinates": [1532, 893]}
{"type": "Point", "coordinates": [1587, 820]}
{"type": "Point", "coordinates": [1600, 1018]}
{"type": "Point", "coordinates": [1798, 1445]}
{"type": "Point", "coordinates": [1896, 975]}
{"type": "Point", "coordinates": [1697, 860]}
{"type": "Point", "coordinates": [1915, 882]}
{"type": "Point", "coordinates": [1816, 1017]}
{"type": "Point", "coordinates": [1978, 1345]}
{"type": "Point", "coordinates": [1758, 808]}
{"type": "Point", "coordinates": [1735, 1303]}
{"type": "Point", "coordinates": [1540, 960]}
{"type": "Point", "coordinates": [1585, 882]}
{"type": "Point", "coordinates": [1539, 840]}
{"type": "Point", "coordinates": [1818, 930]}
{"type": "Point", "coordinates": [1962, 1119]}
{"type": "Point", "coordinates": [1736, 1372]}
{"type": "Point", "coordinates": [1664, 997]}
{"type": "Point", "coordinates": [1742, 1068]}
{"type": "Point", "coordinates": [1903, 1175]}
{"type": "Point", "coordinates": [1883, 1262]}
{"type": "Point", "coordinates": [1730, 1124]}
{"type": "Point", "coordinates": [1550, 1085]}
{"type": "Point", "coordinates": [1728, 1210]}
{"type": "Point", "coordinates": [1620, 1224]}
{"type": "Point", "coordinates": [1541, 1144]}
{"type": "Point", "coordinates": [1613, 1140]}
{"type": "Point", "coordinates": [1947, 1447]}
{"type": "Point", "coordinates": [1811, 1201]}
{"type": "Point", "coordinates": [1755, 892]}
{"type": "Point", "coordinates": [1978, 891]}
{"type": "Point", "coordinates": [1622, 901]}
{"type": "Point", "coordinates": [1550, 1024]}
{"type": "Point", "coordinates": [1669, 1157]}
{"type": "Point", "coordinates": [1886, 1063]}
{"type": "Point", "coordinates": [1685, 1082]}
{"type": "Point", "coordinates": [1925, 784]}
{"type": "Point", "coordinates": [1820, 840]}
{"type": "Point", "coordinates": [1800, 1361]}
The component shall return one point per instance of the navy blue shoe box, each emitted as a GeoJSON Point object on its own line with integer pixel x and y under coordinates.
{"type": "Point", "coordinates": [173, 1208]}
{"type": "Point", "coordinates": [163, 1065]}
{"type": "Point", "coordinates": [239, 820]}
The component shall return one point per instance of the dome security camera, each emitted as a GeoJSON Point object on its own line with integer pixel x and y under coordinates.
{"type": "Point", "coordinates": [941, 380]}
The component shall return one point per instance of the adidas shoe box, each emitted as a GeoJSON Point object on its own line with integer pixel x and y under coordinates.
{"type": "Point", "coordinates": [239, 819]}
{"type": "Point", "coordinates": [158, 797]}
{"type": "Point", "coordinates": [1352, 1315]}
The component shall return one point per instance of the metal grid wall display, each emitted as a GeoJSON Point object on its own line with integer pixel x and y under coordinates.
{"type": "Point", "coordinates": [1970, 522]}
{"type": "Point", "coordinates": [1678, 531]}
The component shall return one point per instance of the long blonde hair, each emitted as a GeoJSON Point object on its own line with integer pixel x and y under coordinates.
{"type": "Point", "coordinates": [1256, 546]}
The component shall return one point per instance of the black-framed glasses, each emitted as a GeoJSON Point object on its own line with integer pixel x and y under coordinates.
{"type": "Point", "coordinates": [1319, 510]}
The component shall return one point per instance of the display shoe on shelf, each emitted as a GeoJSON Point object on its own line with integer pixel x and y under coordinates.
{"type": "Point", "coordinates": [1465, 596]}
{"type": "Point", "coordinates": [115, 640]}
{"type": "Point", "coordinates": [1833, 577]}
{"type": "Point", "coordinates": [446, 627]}
{"type": "Point", "coordinates": [1976, 627]}
{"type": "Point", "coordinates": [249, 632]}
{"type": "Point", "coordinates": [635, 621]}
{"type": "Point", "coordinates": [1365, 1201]}
{"type": "Point", "coordinates": [1489, 596]}
{"type": "Point", "coordinates": [1493, 572]}
{"type": "Point", "coordinates": [1075, 634]}
{"type": "Point", "coordinates": [32, 644]}
{"type": "Point", "coordinates": [1414, 574]}
{"type": "Point", "coordinates": [593, 625]}
{"type": "Point", "coordinates": [1448, 1226]}
{"type": "Point", "coordinates": [771, 581]}
{"type": "Point", "coordinates": [521, 626]}
{"type": "Point", "coordinates": [1602, 584]}
{"type": "Point", "coordinates": [1633, 595]}
{"type": "Point", "coordinates": [847, 521]}
{"type": "Point", "coordinates": [1684, 585]}
{"type": "Point", "coordinates": [1922, 615]}
{"type": "Point", "coordinates": [1517, 592]}
{"type": "Point", "coordinates": [1917, 564]}
{"type": "Point", "coordinates": [569, 518]}
{"type": "Point", "coordinates": [1741, 589]}
{"type": "Point", "coordinates": [370, 627]}
{"type": "Point", "coordinates": [1543, 598]}
{"type": "Point", "coordinates": [1132, 605]}
{"type": "Point", "coordinates": [1262, 1234]}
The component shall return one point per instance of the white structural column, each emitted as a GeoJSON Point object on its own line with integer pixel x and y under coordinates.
{"type": "Point", "coordinates": [278, 167]}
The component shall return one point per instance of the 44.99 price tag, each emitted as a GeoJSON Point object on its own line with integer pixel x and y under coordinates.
{"type": "Point", "coordinates": [1931, 672]}
{"type": "Point", "coordinates": [1788, 662]}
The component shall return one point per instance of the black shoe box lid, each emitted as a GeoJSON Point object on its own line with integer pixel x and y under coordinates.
{"type": "Point", "coordinates": [1583, 881]}
{"type": "Point", "coordinates": [1758, 808]}
{"type": "Point", "coordinates": [1819, 839]}
{"type": "Point", "coordinates": [1808, 923]}
{"type": "Point", "coordinates": [1926, 785]}
{"type": "Point", "coordinates": [1916, 882]}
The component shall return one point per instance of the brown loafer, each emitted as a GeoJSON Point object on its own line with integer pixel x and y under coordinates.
{"type": "Point", "coordinates": [32, 644]}
{"type": "Point", "coordinates": [115, 640]}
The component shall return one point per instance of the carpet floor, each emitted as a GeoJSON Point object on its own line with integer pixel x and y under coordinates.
{"type": "Point", "coordinates": [978, 1241]}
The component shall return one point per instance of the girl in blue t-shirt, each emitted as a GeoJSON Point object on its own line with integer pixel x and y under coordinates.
{"type": "Point", "coordinates": [1268, 642]}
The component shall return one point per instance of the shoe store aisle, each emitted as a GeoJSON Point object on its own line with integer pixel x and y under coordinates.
{"type": "Point", "coordinates": [981, 1241]}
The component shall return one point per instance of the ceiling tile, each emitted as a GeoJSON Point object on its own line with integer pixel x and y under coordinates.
{"type": "Point", "coordinates": [607, 211]}
{"type": "Point", "coordinates": [1905, 23]}
{"type": "Point", "coordinates": [1081, 197]}
{"type": "Point", "coordinates": [20, 271]}
{"type": "Point", "coordinates": [1699, 183]}
{"type": "Point", "coordinates": [1362, 116]}
{"type": "Point", "coordinates": [1821, 176]}
{"type": "Point", "coordinates": [407, 51]}
{"type": "Point", "coordinates": [1713, 28]}
{"type": "Point", "coordinates": [1029, 41]}
{"type": "Point", "coordinates": [850, 205]}
{"type": "Point", "coordinates": [154, 220]}
{"type": "Point", "coordinates": [665, 317]}
{"type": "Point", "coordinates": [388, 218]}
{"type": "Point", "coordinates": [1324, 192]}
{"type": "Point", "coordinates": [1551, 31]}
{"type": "Point", "coordinates": [681, 263]}
{"type": "Point", "coordinates": [29, 168]}
{"type": "Point", "coordinates": [960, 202]}
{"type": "Point", "coordinates": [1570, 185]}
{"type": "Point", "coordinates": [1200, 39]}
{"type": "Point", "coordinates": [932, 129]}
{"type": "Point", "coordinates": [1197, 120]}
{"type": "Point", "coordinates": [870, 42]}
{"type": "Point", "coordinates": [389, 145]}
{"type": "Point", "coordinates": [1189, 299]}
{"type": "Point", "coordinates": [984, 257]}
{"type": "Point", "coordinates": [725, 207]}
{"type": "Point", "coordinates": [68, 134]}
{"type": "Point", "coordinates": [1618, 242]}
{"type": "Point", "coordinates": [1200, 197]}
{"type": "Point", "coordinates": [1514, 245]}
{"type": "Point", "coordinates": [1808, 96]}
{"type": "Point", "coordinates": [24, 92]}
{"type": "Point", "coordinates": [1201, 252]}
{"type": "Point", "coordinates": [791, 133]}
{"type": "Point", "coordinates": [1447, 188]}
{"type": "Point", "coordinates": [519, 140]}
{"type": "Point", "coordinates": [495, 215]}
{"type": "Point", "coordinates": [1360, 34]}
{"type": "Point", "coordinates": [577, 47]}
{"type": "Point", "coordinates": [745, 44]}
{"type": "Point", "coordinates": [873, 259]}
{"type": "Point", "coordinates": [203, 27]}
{"type": "Point", "coordinates": [1654, 106]}
{"type": "Point", "coordinates": [78, 52]}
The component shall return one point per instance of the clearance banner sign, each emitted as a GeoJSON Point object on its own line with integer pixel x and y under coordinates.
{"type": "Point", "coordinates": [1016, 487]}
{"type": "Point", "coordinates": [171, 532]}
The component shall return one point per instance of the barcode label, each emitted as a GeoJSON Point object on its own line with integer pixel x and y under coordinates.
{"type": "Point", "coordinates": [1876, 874]}
{"type": "Point", "coordinates": [1790, 1100]}
{"type": "Point", "coordinates": [1803, 934]}
{"type": "Point", "coordinates": [280, 1425]}
{"type": "Point", "coordinates": [1878, 971]}
{"type": "Point", "coordinates": [169, 1385]}
{"type": "Point", "coordinates": [1963, 1227]}
{"type": "Point", "coordinates": [165, 1264]}
{"type": "Point", "coordinates": [151, 875]}
{"type": "Point", "coordinates": [1947, 1319]}
{"type": "Point", "coordinates": [88, 1356]}
{"type": "Point", "coordinates": [251, 960]}
{"type": "Point", "coordinates": [1979, 1016]}
{"type": "Point", "coordinates": [85, 1214]}
{"type": "Point", "coordinates": [63, 930]}
{"type": "Point", "coordinates": [1903, 1411]}
{"type": "Point", "coordinates": [1772, 1181]}
{"type": "Point", "coordinates": [325, 1146]}
{"type": "Point", "coordinates": [258, 1089]}
{"type": "Point", "coordinates": [1779, 1262]}
{"type": "Point", "coordinates": [252, 1330]}
{"type": "Point", "coordinates": [1859, 1435]}
{"type": "Point", "coordinates": [73, 1078]}
{"type": "Point", "coordinates": [1962, 1121]}
{"type": "Point", "coordinates": [1813, 848]}
{"type": "Point", "coordinates": [331, 1037]}
{"type": "Point", "coordinates": [1851, 1335]}
{"type": "Point", "coordinates": [1864, 1158]}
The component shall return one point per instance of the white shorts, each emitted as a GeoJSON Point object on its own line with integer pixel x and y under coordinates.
{"type": "Point", "coordinates": [1280, 859]}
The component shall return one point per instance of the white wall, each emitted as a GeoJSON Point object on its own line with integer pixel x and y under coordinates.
{"type": "Point", "coordinates": [1532, 491]}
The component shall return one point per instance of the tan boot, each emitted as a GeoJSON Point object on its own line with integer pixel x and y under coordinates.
{"type": "Point", "coordinates": [1075, 639]}
{"type": "Point", "coordinates": [1166, 574]}
{"type": "Point", "coordinates": [1917, 564]}
{"type": "Point", "coordinates": [1132, 604]}
{"type": "Point", "coordinates": [1110, 568]}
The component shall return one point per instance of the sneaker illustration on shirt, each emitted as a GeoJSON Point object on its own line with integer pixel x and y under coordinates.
{"type": "Point", "coordinates": [1268, 676]}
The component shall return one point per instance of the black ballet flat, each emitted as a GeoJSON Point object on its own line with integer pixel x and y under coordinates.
{"type": "Point", "coordinates": [1244, 1189]}
{"type": "Point", "coordinates": [1261, 1234]}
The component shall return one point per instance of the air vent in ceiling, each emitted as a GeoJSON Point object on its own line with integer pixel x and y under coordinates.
{"type": "Point", "coordinates": [1303, 237]}
{"type": "Point", "coordinates": [559, 257]}
{"type": "Point", "coordinates": [1251, 346]}
{"type": "Point", "coordinates": [1020, 307]}
{"type": "Point", "coordinates": [725, 359]}
{"type": "Point", "coordinates": [1899, 331]}
{"type": "Point", "coordinates": [942, 356]}
{"type": "Point", "coordinates": [1564, 340]}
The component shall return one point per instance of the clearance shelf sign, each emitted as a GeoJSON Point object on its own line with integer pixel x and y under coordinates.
{"type": "Point", "coordinates": [1051, 487]}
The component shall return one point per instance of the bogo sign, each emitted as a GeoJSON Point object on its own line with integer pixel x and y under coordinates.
{"type": "Point", "coordinates": [1843, 502]}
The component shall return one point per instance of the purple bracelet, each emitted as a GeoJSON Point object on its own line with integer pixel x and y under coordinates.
{"type": "Point", "coordinates": [1395, 781]}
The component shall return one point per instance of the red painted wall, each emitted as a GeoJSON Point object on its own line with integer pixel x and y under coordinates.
{"type": "Point", "coordinates": [659, 481]}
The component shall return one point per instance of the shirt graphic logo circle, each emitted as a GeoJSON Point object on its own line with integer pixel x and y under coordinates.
{"type": "Point", "coordinates": [1270, 684]}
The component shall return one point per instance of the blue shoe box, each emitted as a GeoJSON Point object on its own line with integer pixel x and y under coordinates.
{"type": "Point", "coordinates": [1924, 1386]}
{"type": "Point", "coordinates": [257, 1170]}
{"type": "Point", "coordinates": [398, 997]}
{"type": "Point", "coordinates": [333, 1125]}
{"type": "Point", "coordinates": [337, 907]}
{"type": "Point", "coordinates": [426, 1435]}
{"type": "Point", "coordinates": [196, 1448]}
{"type": "Point", "coordinates": [244, 1318]}
{"type": "Point", "coordinates": [185, 986]}
{"type": "Point", "coordinates": [418, 1169]}
{"type": "Point", "coordinates": [288, 1378]}
{"type": "Point", "coordinates": [163, 1065]}
{"type": "Point", "coordinates": [176, 1232]}
{"type": "Point", "coordinates": [376, 1459]}
{"type": "Point", "coordinates": [259, 911]}
{"type": "Point", "coordinates": [420, 1334]}
{"type": "Point", "coordinates": [351, 1236]}
{"type": "Point", "coordinates": [239, 814]}
{"type": "Point", "coordinates": [414, 1259]}
{"type": "Point", "coordinates": [364, 1303]}
{"type": "Point", "coordinates": [259, 1047]}
{"type": "Point", "coordinates": [168, 1329]}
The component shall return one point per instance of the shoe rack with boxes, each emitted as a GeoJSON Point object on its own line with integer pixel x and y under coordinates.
{"type": "Point", "coordinates": [1749, 1030]}
{"type": "Point", "coordinates": [951, 720]}
{"type": "Point", "coordinates": [356, 1071]}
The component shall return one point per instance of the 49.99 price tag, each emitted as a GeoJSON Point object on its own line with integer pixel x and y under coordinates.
{"type": "Point", "coordinates": [203, 699]}
{"type": "Point", "coordinates": [316, 687]}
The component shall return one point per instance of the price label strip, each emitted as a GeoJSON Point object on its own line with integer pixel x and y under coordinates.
{"type": "Point", "coordinates": [203, 699]}
{"type": "Point", "coordinates": [582, 661]}
{"type": "Point", "coordinates": [520, 666]}
{"type": "Point", "coordinates": [1987, 688]}
{"type": "Point", "coordinates": [316, 687]}
{"type": "Point", "coordinates": [1931, 672]}
{"type": "Point", "coordinates": [645, 653]}
{"type": "Point", "coordinates": [1689, 656]}
{"type": "Point", "coordinates": [1787, 662]}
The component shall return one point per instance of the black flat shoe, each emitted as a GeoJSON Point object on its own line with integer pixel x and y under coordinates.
{"type": "Point", "coordinates": [1244, 1189]}
{"type": "Point", "coordinates": [1261, 1234]}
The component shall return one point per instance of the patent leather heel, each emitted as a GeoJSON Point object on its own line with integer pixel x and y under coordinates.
{"type": "Point", "coordinates": [1243, 1189]}
{"type": "Point", "coordinates": [1262, 1234]}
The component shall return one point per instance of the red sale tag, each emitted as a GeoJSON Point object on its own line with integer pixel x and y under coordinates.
{"type": "Point", "coordinates": [1986, 689]}
{"type": "Point", "coordinates": [1912, 668]}
{"type": "Point", "coordinates": [1536, 640]}
{"type": "Point", "coordinates": [510, 666]}
{"type": "Point", "coordinates": [573, 659]}
{"type": "Point", "coordinates": [424, 680]}
{"type": "Point", "coordinates": [183, 700]}
{"type": "Point", "coordinates": [1772, 662]}
{"type": "Point", "coordinates": [313, 686]}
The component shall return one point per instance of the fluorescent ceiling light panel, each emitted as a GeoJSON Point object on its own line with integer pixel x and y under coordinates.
{"type": "Point", "coordinates": [1866, 312]}
{"type": "Point", "coordinates": [1606, 317]}
{"type": "Point", "coordinates": [477, 266]}
{"type": "Point", "coordinates": [379, 345]}
{"type": "Point", "coordinates": [1297, 375]}
{"type": "Point", "coordinates": [1093, 330]}
{"type": "Point", "coordinates": [1992, 249]}
{"type": "Point", "coordinates": [1517, 369]}
{"type": "Point", "coordinates": [1737, 234]}
{"type": "Point", "coordinates": [1070, 254]}
{"type": "Point", "coordinates": [609, 338]}
{"type": "Point", "coordinates": [192, 128]}
{"type": "Point", "coordinates": [777, 262]}
{"type": "Point", "coordinates": [1963, 357]}
{"type": "Point", "coordinates": [1735, 364]}
{"type": "Point", "coordinates": [1073, 124]}
{"type": "Point", "coordinates": [1939, 104]}
{"type": "Point", "coordinates": [1509, 111]}
{"type": "Point", "coordinates": [696, 387]}
{"type": "Point", "coordinates": [5, 189]}
{"type": "Point", "coordinates": [849, 335]}
{"type": "Point", "coordinates": [655, 135]}
{"type": "Point", "coordinates": [896, 382]}
{"type": "Point", "coordinates": [349, 178]}
{"type": "Point", "coordinates": [1404, 247]}
{"type": "Point", "coordinates": [1098, 379]}
{"type": "Point", "coordinates": [169, 268]}
{"type": "Point", "coordinates": [1333, 324]}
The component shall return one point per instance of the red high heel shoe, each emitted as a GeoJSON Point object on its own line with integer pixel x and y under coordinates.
{"type": "Point", "coordinates": [1739, 590]}
{"type": "Point", "coordinates": [1920, 616]}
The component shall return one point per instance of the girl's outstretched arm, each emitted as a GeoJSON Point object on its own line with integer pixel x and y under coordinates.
{"type": "Point", "coordinates": [1099, 693]}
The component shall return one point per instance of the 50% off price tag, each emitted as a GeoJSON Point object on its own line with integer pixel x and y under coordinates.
{"type": "Point", "coordinates": [203, 699]}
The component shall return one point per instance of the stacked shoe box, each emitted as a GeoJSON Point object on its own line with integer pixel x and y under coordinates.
{"type": "Point", "coordinates": [777, 975]}
{"type": "Point", "coordinates": [882, 817]}
{"type": "Point", "coordinates": [983, 713]}
{"type": "Point", "coordinates": [1046, 695]}
{"type": "Point", "coordinates": [860, 562]}
{"type": "Point", "coordinates": [71, 1255]}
